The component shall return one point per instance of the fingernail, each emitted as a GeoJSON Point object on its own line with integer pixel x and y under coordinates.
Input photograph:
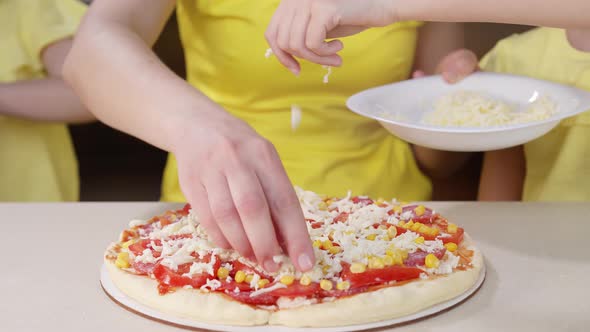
{"type": "Point", "coordinates": [305, 262]}
{"type": "Point", "coordinates": [295, 71]}
{"type": "Point", "coordinates": [270, 265]}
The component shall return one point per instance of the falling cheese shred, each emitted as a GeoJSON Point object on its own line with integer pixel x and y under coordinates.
{"type": "Point", "coordinates": [295, 116]}
{"type": "Point", "coordinates": [328, 73]}
{"type": "Point", "coordinates": [268, 289]}
{"type": "Point", "coordinates": [268, 53]}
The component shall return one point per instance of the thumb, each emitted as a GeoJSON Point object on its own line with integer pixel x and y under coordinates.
{"type": "Point", "coordinates": [457, 65]}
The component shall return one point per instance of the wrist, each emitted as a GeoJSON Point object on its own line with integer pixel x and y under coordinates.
{"type": "Point", "coordinates": [191, 126]}
{"type": "Point", "coordinates": [182, 127]}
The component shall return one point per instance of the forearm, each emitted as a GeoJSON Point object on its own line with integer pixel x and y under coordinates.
{"type": "Point", "coordinates": [435, 42]}
{"type": "Point", "coordinates": [440, 164]}
{"type": "Point", "coordinates": [502, 175]}
{"type": "Point", "coordinates": [42, 100]}
{"type": "Point", "coordinates": [555, 13]}
{"type": "Point", "coordinates": [132, 91]}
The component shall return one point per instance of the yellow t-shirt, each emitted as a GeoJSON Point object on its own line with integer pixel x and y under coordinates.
{"type": "Point", "coordinates": [557, 164]}
{"type": "Point", "coordinates": [333, 149]}
{"type": "Point", "coordinates": [37, 161]}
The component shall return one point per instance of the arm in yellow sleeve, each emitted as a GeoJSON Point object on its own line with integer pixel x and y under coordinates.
{"type": "Point", "coordinates": [47, 99]}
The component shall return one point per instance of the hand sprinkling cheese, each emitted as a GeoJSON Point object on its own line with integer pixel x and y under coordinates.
{"type": "Point", "coordinates": [326, 79]}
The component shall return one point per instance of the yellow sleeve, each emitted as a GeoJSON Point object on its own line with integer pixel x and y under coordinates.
{"type": "Point", "coordinates": [410, 24]}
{"type": "Point", "coordinates": [43, 22]}
{"type": "Point", "coordinates": [494, 60]}
{"type": "Point", "coordinates": [519, 54]}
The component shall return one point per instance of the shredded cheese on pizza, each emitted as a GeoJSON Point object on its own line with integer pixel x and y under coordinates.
{"type": "Point", "coordinates": [351, 236]}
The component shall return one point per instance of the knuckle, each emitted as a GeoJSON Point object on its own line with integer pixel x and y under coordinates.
{"type": "Point", "coordinates": [226, 145]}
{"type": "Point", "coordinates": [263, 150]}
{"type": "Point", "coordinates": [224, 214]}
{"type": "Point", "coordinates": [311, 44]}
{"type": "Point", "coordinates": [464, 56]}
{"type": "Point", "coordinates": [227, 152]}
{"type": "Point", "coordinates": [282, 203]}
{"type": "Point", "coordinates": [269, 36]}
{"type": "Point", "coordinates": [251, 205]}
{"type": "Point", "coordinates": [294, 45]}
{"type": "Point", "coordinates": [283, 198]}
{"type": "Point", "coordinates": [465, 65]}
{"type": "Point", "coordinates": [283, 43]}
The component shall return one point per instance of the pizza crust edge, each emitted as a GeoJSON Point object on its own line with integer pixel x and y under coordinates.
{"type": "Point", "coordinates": [383, 304]}
{"type": "Point", "coordinates": [211, 308]}
{"type": "Point", "coordinates": [387, 303]}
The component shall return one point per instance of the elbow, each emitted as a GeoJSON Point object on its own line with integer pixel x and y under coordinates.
{"type": "Point", "coordinates": [438, 173]}
{"type": "Point", "coordinates": [85, 117]}
{"type": "Point", "coordinates": [77, 59]}
{"type": "Point", "coordinates": [70, 73]}
{"type": "Point", "coordinates": [440, 165]}
{"type": "Point", "coordinates": [69, 68]}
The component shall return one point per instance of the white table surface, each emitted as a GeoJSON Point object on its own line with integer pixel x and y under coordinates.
{"type": "Point", "coordinates": [537, 256]}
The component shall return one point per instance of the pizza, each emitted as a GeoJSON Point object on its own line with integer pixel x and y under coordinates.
{"type": "Point", "coordinates": [375, 260]}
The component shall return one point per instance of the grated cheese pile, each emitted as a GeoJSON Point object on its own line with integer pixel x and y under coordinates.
{"type": "Point", "coordinates": [473, 109]}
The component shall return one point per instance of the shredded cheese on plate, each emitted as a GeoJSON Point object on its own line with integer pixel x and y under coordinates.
{"type": "Point", "coordinates": [474, 109]}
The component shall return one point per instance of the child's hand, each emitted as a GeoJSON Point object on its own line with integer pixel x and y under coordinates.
{"type": "Point", "coordinates": [299, 28]}
{"type": "Point", "coordinates": [455, 66]}
{"type": "Point", "coordinates": [236, 182]}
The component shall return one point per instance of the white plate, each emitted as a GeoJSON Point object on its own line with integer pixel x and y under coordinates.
{"type": "Point", "coordinates": [118, 296]}
{"type": "Point", "coordinates": [410, 100]}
